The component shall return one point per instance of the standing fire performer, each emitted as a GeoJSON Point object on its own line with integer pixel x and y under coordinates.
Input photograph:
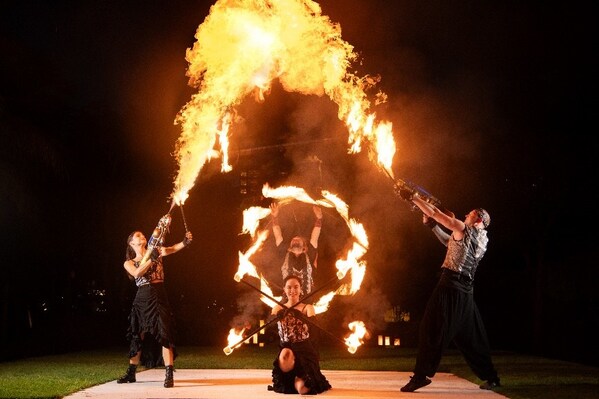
{"type": "Point", "coordinates": [300, 257]}
{"type": "Point", "coordinates": [451, 314]}
{"type": "Point", "coordinates": [297, 366]}
{"type": "Point", "coordinates": [151, 319]}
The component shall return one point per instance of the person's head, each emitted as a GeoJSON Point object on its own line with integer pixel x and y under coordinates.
{"type": "Point", "coordinates": [135, 242]}
{"type": "Point", "coordinates": [478, 218]}
{"type": "Point", "coordinates": [298, 245]}
{"type": "Point", "coordinates": [292, 285]}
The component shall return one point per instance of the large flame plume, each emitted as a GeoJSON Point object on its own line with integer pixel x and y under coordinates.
{"type": "Point", "coordinates": [241, 47]}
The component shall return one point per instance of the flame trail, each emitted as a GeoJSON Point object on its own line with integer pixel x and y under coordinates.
{"type": "Point", "coordinates": [352, 262]}
{"type": "Point", "coordinates": [241, 47]}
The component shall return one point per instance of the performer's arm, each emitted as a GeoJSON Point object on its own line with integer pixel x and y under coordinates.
{"type": "Point", "coordinates": [276, 228]}
{"type": "Point", "coordinates": [441, 235]}
{"type": "Point", "coordinates": [276, 309]}
{"type": "Point", "coordinates": [165, 251]}
{"type": "Point", "coordinates": [448, 221]}
{"type": "Point", "coordinates": [317, 226]}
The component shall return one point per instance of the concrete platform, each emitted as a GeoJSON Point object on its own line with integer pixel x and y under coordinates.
{"type": "Point", "coordinates": [252, 384]}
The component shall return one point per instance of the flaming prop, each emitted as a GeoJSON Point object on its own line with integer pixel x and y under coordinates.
{"type": "Point", "coordinates": [356, 338]}
{"type": "Point", "coordinates": [241, 47]}
{"type": "Point", "coordinates": [158, 235]}
{"type": "Point", "coordinates": [351, 263]}
{"type": "Point", "coordinates": [234, 339]}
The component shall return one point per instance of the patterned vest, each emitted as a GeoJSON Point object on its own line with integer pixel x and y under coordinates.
{"type": "Point", "coordinates": [464, 255]}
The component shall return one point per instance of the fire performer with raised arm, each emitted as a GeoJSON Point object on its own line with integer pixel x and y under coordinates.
{"type": "Point", "coordinates": [151, 322]}
{"type": "Point", "coordinates": [301, 256]}
{"type": "Point", "coordinates": [451, 314]}
{"type": "Point", "coordinates": [297, 366]}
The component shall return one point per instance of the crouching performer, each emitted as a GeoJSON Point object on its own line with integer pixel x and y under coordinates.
{"type": "Point", "coordinates": [297, 367]}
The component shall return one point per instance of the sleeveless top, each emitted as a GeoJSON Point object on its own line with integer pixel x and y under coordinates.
{"type": "Point", "coordinates": [292, 328]}
{"type": "Point", "coordinates": [464, 255]}
{"type": "Point", "coordinates": [155, 272]}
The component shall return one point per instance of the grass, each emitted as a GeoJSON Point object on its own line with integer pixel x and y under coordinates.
{"type": "Point", "coordinates": [522, 376]}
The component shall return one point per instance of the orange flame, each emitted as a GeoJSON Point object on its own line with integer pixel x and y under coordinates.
{"type": "Point", "coordinates": [289, 193]}
{"type": "Point", "coordinates": [265, 288]}
{"type": "Point", "coordinates": [245, 265]}
{"type": "Point", "coordinates": [233, 339]}
{"type": "Point", "coordinates": [223, 140]}
{"type": "Point", "coordinates": [240, 48]}
{"type": "Point", "coordinates": [356, 338]}
{"type": "Point", "coordinates": [251, 219]}
{"type": "Point", "coordinates": [323, 303]}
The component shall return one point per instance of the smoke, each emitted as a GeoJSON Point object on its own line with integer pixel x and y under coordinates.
{"type": "Point", "coordinates": [368, 305]}
{"type": "Point", "coordinates": [250, 310]}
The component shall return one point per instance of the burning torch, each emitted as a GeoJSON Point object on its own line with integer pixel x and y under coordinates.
{"type": "Point", "coordinates": [406, 191]}
{"type": "Point", "coordinates": [157, 239]}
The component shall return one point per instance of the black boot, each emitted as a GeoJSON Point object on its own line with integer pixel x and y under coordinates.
{"type": "Point", "coordinates": [129, 375]}
{"type": "Point", "coordinates": [168, 379]}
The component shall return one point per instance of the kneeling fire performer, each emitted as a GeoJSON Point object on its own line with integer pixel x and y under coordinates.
{"type": "Point", "coordinates": [151, 322]}
{"type": "Point", "coordinates": [297, 366]}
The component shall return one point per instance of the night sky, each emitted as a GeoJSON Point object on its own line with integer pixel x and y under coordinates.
{"type": "Point", "coordinates": [491, 107]}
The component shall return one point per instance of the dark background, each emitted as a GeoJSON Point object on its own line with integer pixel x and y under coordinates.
{"type": "Point", "coordinates": [490, 103]}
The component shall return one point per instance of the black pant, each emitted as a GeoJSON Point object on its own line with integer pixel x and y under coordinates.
{"type": "Point", "coordinates": [452, 316]}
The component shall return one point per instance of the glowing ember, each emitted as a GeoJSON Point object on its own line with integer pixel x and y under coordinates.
{"type": "Point", "coordinates": [241, 47]}
{"type": "Point", "coordinates": [356, 338]}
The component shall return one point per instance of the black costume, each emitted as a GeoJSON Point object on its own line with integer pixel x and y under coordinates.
{"type": "Point", "coordinates": [294, 333]}
{"type": "Point", "coordinates": [451, 314]}
{"type": "Point", "coordinates": [151, 315]}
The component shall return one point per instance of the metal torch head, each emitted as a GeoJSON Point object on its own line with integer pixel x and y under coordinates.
{"type": "Point", "coordinates": [165, 221]}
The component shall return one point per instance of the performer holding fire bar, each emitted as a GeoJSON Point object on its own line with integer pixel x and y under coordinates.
{"type": "Point", "coordinates": [300, 257]}
{"type": "Point", "coordinates": [297, 367]}
{"type": "Point", "coordinates": [451, 314]}
{"type": "Point", "coordinates": [151, 319]}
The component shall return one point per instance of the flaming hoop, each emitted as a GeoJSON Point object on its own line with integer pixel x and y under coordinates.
{"type": "Point", "coordinates": [351, 265]}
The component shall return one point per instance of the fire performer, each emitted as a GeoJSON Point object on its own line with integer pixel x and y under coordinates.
{"type": "Point", "coordinates": [451, 314]}
{"type": "Point", "coordinates": [297, 366]}
{"type": "Point", "coordinates": [300, 257]}
{"type": "Point", "coordinates": [151, 318]}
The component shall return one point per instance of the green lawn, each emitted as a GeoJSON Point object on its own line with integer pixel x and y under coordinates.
{"type": "Point", "coordinates": [521, 376]}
